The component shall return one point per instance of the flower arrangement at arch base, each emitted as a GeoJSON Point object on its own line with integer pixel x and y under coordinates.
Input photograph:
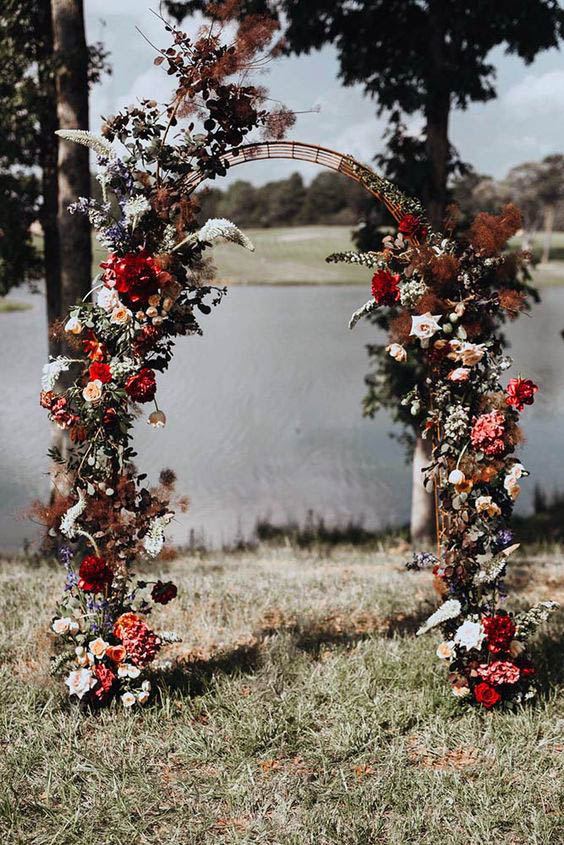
{"type": "Point", "coordinates": [152, 287]}
{"type": "Point", "coordinates": [445, 299]}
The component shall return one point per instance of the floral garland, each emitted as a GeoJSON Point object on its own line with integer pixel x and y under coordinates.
{"type": "Point", "coordinates": [446, 299]}
{"type": "Point", "coordinates": [152, 285]}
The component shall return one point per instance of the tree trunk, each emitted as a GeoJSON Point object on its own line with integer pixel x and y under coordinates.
{"type": "Point", "coordinates": [422, 502]}
{"type": "Point", "coordinates": [48, 153]}
{"type": "Point", "coordinates": [71, 62]}
{"type": "Point", "coordinates": [548, 226]}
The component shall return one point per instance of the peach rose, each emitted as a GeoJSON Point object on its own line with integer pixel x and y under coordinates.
{"type": "Point", "coordinates": [120, 315]}
{"type": "Point", "coordinates": [93, 391]}
{"type": "Point", "coordinates": [98, 647]}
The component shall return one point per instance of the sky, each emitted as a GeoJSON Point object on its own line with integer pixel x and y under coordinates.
{"type": "Point", "coordinates": [525, 122]}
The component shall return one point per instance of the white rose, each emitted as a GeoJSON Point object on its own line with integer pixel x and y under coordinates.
{"type": "Point", "coordinates": [80, 681]}
{"type": "Point", "coordinates": [424, 327]}
{"type": "Point", "coordinates": [107, 299]}
{"type": "Point", "coordinates": [126, 670]}
{"type": "Point", "coordinates": [120, 315]}
{"type": "Point", "coordinates": [469, 635]}
{"type": "Point", "coordinates": [128, 699]}
{"type": "Point", "coordinates": [93, 391]}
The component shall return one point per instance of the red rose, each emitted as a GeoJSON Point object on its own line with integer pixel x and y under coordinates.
{"type": "Point", "coordinates": [94, 574]}
{"type": "Point", "coordinates": [135, 275]}
{"type": "Point", "coordinates": [410, 225]}
{"type": "Point", "coordinates": [164, 592]}
{"type": "Point", "coordinates": [499, 631]}
{"type": "Point", "coordinates": [142, 386]}
{"type": "Point", "coordinates": [106, 680]}
{"type": "Point", "coordinates": [520, 392]}
{"type": "Point", "coordinates": [486, 695]}
{"type": "Point", "coordinates": [101, 372]}
{"type": "Point", "coordinates": [385, 289]}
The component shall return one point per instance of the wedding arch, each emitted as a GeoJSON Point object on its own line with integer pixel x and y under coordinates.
{"type": "Point", "coordinates": [444, 299]}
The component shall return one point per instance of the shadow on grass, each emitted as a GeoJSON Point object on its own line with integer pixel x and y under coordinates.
{"type": "Point", "coordinates": [548, 657]}
{"type": "Point", "coordinates": [193, 674]}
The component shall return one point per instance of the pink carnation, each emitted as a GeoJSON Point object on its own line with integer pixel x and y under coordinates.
{"type": "Point", "coordinates": [488, 432]}
{"type": "Point", "coordinates": [499, 672]}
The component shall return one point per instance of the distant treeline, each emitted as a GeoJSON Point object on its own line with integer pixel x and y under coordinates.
{"type": "Point", "coordinates": [330, 199]}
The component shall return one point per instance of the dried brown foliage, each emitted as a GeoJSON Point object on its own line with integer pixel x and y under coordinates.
{"type": "Point", "coordinates": [489, 233]}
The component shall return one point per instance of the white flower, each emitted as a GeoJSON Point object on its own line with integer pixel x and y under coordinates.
{"type": "Point", "coordinates": [397, 352]}
{"type": "Point", "coordinates": [424, 327]}
{"type": "Point", "coordinates": [469, 635]}
{"type": "Point", "coordinates": [146, 686]}
{"type": "Point", "coordinates": [81, 136]}
{"type": "Point", "coordinates": [65, 625]}
{"type": "Point", "coordinates": [107, 299]}
{"type": "Point", "coordinates": [126, 670]}
{"type": "Point", "coordinates": [512, 486]}
{"type": "Point", "coordinates": [449, 610]}
{"type": "Point", "coordinates": [128, 699]}
{"type": "Point", "coordinates": [68, 520]}
{"type": "Point", "coordinates": [461, 691]}
{"type": "Point", "coordinates": [98, 647]}
{"type": "Point", "coordinates": [80, 681]}
{"type": "Point", "coordinates": [456, 477]}
{"type": "Point", "coordinates": [84, 658]}
{"type": "Point", "coordinates": [153, 541]}
{"type": "Point", "coordinates": [219, 228]}
{"type": "Point", "coordinates": [157, 419]}
{"type": "Point", "coordinates": [135, 208]}
{"type": "Point", "coordinates": [73, 325]}
{"type": "Point", "coordinates": [459, 374]}
{"type": "Point", "coordinates": [468, 353]}
{"type": "Point", "coordinates": [143, 696]}
{"type": "Point", "coordinates": [52, 371]}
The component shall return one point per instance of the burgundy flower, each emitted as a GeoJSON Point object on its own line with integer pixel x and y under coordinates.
{"type": "Point", "coordinates": [385, 289]}
{"type": "Point", "coordinates": [164, 592]}
{"type": "Point", "coordinates": [46, 399]}
{"type": "Point", "coordinates": [411, 226]}
{"type": "Point", "coordinates": [136, 275]}
{"type": "Point", "coordinates": [60, 413]}
{"type": "Point", "coordinates": [100, 371]}
{"type": "Point", "coordinates": [94, 574]}
{"type": "Point", "coordinates": [520, 392]}
{"type": "Point", "coordinates": [499, 630]}
{"type": "Point", "coordinates": [105, 683]}
{"type": "Point", "coordinates": [110, 417]}
{"type": "Point", "coordinates": [142, 386]}
{"type": "Point", "coordinates": [486, 695]}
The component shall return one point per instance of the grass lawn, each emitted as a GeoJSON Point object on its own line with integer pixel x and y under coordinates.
{"type": "Point", "coordinates": [305, 712]}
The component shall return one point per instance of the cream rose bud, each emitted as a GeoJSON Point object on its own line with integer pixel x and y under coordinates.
{"type": "Point", "coordinates": [157, 419]}
{"type": "Point", "coordinates": [152, 311]}
{"type": "Point", "coordinates": [167, 303]}
{"type": "Point", "coordinates": [456, 477]}
{"type": "Point", "coordinates": [65, 625]}
{"type": "Point", "coordinates": [424, 327]}
{"type": "Point", "coordinates": [80, 681]}
{"type": "Point", "coordinates": [445, 650]}
{"type": "Point", "coordinates": [143, 696]}
{"type": "Point", "coordinates": [120, 315]}
{"type": "Point", "coordinates": [126, 670]}
{"type": "Point", "coordinates": [98, 647]}
{"type": "Point", "coordinates": [397, 352]}
{"type": "Point", "coordinates": [461, 691]}
{"type": "Point", "coordinates": [73, 326]}
{"type": "Point", "coordinates": [154, 300]}
{"type": "Point", "coordinates": [128, 699]}
{"type": "Point", "coordinates": [485, 504]}
{"type": "Point", "coordinates": [512, 487]}
{"type": "Point", "coordinates": [93, 391]}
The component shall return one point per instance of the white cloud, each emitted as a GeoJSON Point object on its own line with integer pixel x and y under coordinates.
{"type": "Point", "coordinates": [535, 95]}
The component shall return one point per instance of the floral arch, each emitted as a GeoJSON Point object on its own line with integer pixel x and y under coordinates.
{"type": "Point", "coordinates": [444, 300]}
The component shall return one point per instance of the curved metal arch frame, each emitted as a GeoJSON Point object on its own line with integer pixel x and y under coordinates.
{"type": "Point", "coordinates": [381, 189]}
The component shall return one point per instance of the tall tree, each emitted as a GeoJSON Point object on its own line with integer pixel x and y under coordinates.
{"type": "Point", "coordinates": [71, 59]}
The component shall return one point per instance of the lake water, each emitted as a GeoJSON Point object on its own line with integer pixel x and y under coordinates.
{"type": "Point", "coordinates": [264, 415]}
